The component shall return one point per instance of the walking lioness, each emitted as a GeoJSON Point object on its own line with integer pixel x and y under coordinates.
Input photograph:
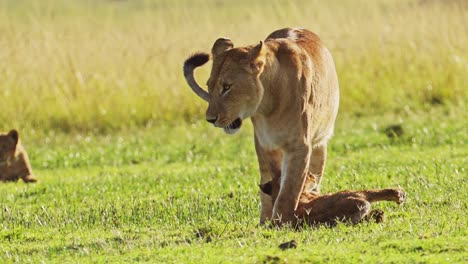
{"type": "Point", "coordinates": [288, 86]}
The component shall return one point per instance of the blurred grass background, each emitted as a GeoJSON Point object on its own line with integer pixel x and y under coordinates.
{"type": "Point", "coordinates": [106, 65]}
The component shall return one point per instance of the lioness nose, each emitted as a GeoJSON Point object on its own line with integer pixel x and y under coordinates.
{"type": "Point", "coordinates": [212, 120]}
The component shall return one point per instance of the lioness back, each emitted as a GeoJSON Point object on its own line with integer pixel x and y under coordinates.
{"type": "Point", "coordinates": [324, 95]}
{"type": "Point", "coordinates": [14, 161]}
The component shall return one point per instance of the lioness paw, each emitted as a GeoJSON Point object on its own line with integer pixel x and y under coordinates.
{"type": "Point", "coordinates": [30, 178]}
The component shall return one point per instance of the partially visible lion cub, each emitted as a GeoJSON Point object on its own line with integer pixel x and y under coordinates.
{"type": "Point", "coordinates": [329, 209]}
{"type": "Point", "coordinates": [14, 161]}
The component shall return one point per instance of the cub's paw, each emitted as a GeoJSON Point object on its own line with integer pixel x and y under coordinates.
{"type": "Point", "coordinates": [376, 215]}
{"type": "Point", "coordinates": [401, 196]}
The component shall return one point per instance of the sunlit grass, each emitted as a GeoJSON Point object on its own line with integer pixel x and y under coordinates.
{"type": "Point", "coordinates": [100, 65]}
{"type": "Point", "coordinates": [179, 195]}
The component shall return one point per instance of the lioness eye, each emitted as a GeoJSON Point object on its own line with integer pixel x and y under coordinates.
{"type": "Point", "coordinates": [226, 88]}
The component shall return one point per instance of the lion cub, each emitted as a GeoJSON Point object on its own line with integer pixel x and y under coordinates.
{"type": "Point", "coordinates": [344, 206]}
{"type": "Point", "coordinates": [14, 161]}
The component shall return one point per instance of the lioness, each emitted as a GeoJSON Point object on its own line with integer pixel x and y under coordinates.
{"type": "Point", "coordinates": [14, 161]}
{"type": "Point", "coordinates": [346, 206]}
{"type": "Point", "coordinates": [288, 86]}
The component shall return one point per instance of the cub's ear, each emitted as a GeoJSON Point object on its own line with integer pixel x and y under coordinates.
{"type": "Point", "coordinates": [256, 58]}
{"type": "Point", "coordinates": [13, 134]}
{"type": "Point", "coordinates": [221, 45]}
{"type": "Point", "coordinates": [267, 188]}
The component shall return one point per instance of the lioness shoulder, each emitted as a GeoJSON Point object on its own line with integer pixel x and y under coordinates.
{"type": "Point", "coordinates": [14, 161]}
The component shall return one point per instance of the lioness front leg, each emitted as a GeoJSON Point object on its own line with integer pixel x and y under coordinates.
{"type": "Point", "coordinates": [269, 163]}
{"type": "Point", "coordinates": [294, 172]}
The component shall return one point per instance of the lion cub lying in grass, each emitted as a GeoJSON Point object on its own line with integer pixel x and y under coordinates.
{"type": "Point", "coordinates": [344, 206]}
{"type": "Point", "coordinates": [14, 161]}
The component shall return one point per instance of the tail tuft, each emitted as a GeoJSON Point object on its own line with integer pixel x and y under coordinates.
{"type": "Point", "coordinates": [196, 60]}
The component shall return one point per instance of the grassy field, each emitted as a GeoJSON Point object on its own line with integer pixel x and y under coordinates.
{"type": "Point", "coordinates": [130, 172]}
{"type": "Point", "coordinates": [188, 194]}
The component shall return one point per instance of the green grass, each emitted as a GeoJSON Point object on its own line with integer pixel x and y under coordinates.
{"type": "Point", "coordinates": [188, 194]}
{"type": "Point", "coordinates": [107, 65]}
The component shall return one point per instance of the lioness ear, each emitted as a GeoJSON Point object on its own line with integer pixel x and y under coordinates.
{"type": "Point", "coordinates": [13, 134]}
{"type": "Point", "coordinates": [221, 45]}
{"type": "Point", "coordinates": [256, 58]}
{"type": "Point", "coordinates": [267, 188]}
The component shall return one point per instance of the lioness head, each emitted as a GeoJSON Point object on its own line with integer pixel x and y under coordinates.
{"type": "Point", "coordinates": [8, 144]}
{"type": "Point", "coordinates": [234, 88]}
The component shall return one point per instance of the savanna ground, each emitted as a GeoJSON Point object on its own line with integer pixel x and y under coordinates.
{"type": "Point", "coordinates": [130, 172]}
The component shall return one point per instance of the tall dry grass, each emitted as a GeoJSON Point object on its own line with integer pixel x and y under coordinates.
{"type": "Point", "coordinates": [102, 65]}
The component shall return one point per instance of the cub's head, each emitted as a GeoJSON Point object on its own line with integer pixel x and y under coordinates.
{"type": "Point", "coordinates": [8, 142]}
{"type": "Point", "coordinates": [234, 88]}
{"type": "Point", "coordinates": [272, 187]}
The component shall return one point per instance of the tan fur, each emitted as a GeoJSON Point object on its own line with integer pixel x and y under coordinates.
{"type": "Point", "coordinates": [14, 161]}
{"type": "Point", "coordinates": [288, 86]}
{"type": "Point", "coordinates": [345, 206]}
